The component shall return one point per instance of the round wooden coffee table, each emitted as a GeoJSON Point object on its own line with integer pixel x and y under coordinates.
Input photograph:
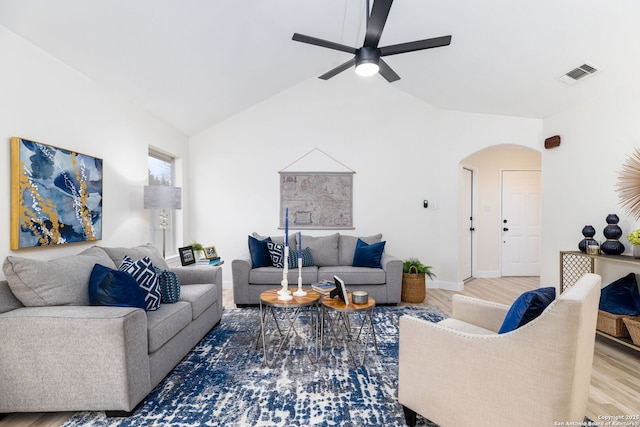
{"type": "Point", "coordinates": [281, 319]}
{"type": "Point", "coordinates": [355, 338]}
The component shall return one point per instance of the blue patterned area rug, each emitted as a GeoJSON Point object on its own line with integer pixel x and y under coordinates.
{"type": "Point", "coordinates": [223, 382]}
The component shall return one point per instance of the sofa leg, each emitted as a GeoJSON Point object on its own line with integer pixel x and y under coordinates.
{"type": "Point", "coordinates": [410, 416]}
{"type": "Point", "coordinates": [119, 414]}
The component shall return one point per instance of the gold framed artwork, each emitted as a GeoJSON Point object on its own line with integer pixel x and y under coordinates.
{"type": "Point", "coordinates": [210, 252]}
{"type": "Point", "coordinates": [56, 195]}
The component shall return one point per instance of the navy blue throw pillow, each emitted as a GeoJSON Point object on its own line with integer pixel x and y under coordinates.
{"type": "Point", "coordinates": [259, 252]}
{"type": "Point", "coordinates": [307, 258]}
{"type": "Point", "coordinates": [527, 307]}
{"type": "Point", "coordinates": [169, 286]}
{"type": "Point", "coordinates": [115, 288]}
{"type": "Point", "coordinates": [368, 255]}
{"type": "Point", "coordinates": [621, 296]}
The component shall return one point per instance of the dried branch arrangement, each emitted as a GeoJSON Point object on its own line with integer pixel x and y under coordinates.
{"type": "Point", "coordinates": [628, 186]}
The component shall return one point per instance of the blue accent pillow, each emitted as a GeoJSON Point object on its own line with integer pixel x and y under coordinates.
{"type": "Point", "coordinates": [259, 252]}
{"type": "Point", "coordinates": [169, 285]}
{"type": "Point", "coordinates": [307, 258]}
{"type": "Point", "coordinates": [276, 251]}
{"type": "Point", "coordinates": [527, 307]}
{"type": "Point", "coordinates": [145, 274]}
{"type": "Point", "coordinates": [115, 288]}
{"type": "Point", "coordinates": [368, 255]}
{"type": "Point", "coordinates": [621, 296]}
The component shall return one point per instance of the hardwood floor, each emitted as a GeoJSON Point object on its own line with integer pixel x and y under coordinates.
{"type": "Point", "coordinates": [615, 381]}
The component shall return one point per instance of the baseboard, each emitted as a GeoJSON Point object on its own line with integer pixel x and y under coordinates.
{"type": "Point", "coordinates": [487, 274]}
{"type": "Point", "coordinates": [448, 286]}
{"type": "Point", "coordinates": [437, 284]}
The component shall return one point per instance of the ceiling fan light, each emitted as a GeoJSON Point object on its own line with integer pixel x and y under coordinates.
{"type": "Point", "coordinates": [367, 59]}
{"type": "Point", "coordinates": [367, 69]}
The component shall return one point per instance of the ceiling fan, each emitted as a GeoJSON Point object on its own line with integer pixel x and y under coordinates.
{"type": "Point", "coordinates": [368, 59]}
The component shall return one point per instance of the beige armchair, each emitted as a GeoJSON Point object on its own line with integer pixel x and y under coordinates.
{"type": "Point", "coordinates": [460, 372]}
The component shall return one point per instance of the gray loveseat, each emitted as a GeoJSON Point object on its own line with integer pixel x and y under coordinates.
{"type": "Point", "coordinates": [58, 353]}
{"type": "Point", "coordinates": [332, 255]}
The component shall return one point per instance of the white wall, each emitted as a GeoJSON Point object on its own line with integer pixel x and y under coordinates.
{"type": "Point", "coordinates": [46, 101]}
{"type": "Point", "coordinates": [580, 176]}
{"type": "Point", "coordinates": [403, 151]}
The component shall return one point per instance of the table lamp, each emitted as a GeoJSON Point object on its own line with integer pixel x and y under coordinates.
{"type": "Point", "coordinates": [162, 197]}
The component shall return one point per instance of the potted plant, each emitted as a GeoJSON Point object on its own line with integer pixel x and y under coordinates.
{"type": "Point", "coordinates": [197, 248]}
{"type": "Point", "coordinates": [634, 239]}
{"type": "Point", "coordinates": [414, 274]}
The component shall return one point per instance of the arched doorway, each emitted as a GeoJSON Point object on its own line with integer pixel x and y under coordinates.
{"type": "Point", "coordinates": [483, 238]}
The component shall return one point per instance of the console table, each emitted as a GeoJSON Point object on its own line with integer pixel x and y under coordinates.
{"type": "Point", "coordinates": [574, 264]}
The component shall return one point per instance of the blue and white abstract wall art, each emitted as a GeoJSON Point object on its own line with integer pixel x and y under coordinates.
{"type": "Point", "coordinates": [56, 195]}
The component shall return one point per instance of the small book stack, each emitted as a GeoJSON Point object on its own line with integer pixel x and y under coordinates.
{"type": "Point", "coordinates": [324, 287]}
{"type": "Point", "coordinates": [208, 261]}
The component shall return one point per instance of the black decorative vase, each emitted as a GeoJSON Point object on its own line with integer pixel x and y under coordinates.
{"type": "Point", "coordinates": [612, 246]}
{"type": "Point", "coordinates": [588, 232]}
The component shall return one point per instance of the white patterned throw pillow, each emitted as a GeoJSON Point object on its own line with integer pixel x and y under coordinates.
{"type": "Point", "coordinates": [145, 274]}
{"type": "Point", "coordinates": [276, 251]}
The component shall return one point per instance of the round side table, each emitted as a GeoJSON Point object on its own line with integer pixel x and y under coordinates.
{"type": "Point", "coordinates": [356, 337]}
{"type": "Point", "coordinates": [282, 319]}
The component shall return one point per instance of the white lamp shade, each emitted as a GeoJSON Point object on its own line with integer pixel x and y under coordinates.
{"type": "Point", "coordinates": [162, 197]}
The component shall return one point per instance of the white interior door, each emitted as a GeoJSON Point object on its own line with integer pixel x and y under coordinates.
{"type": "Point", "coordinates": [520, 223]}
{"type": "Point", "coordinates": [467, 226]}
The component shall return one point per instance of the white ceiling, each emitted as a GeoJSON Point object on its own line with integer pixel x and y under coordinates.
{"type": "Point", "coordinates": [194, 63]}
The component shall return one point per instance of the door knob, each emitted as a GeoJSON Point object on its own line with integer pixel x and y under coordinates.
{"type": "Point", "coordinates": [505, 229]}
{"type": "Point", "coordinates": [472, 229]}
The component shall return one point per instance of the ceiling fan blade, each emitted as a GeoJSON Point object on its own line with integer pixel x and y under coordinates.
{"type": "Point", "coordinates": [417, 45]}
{"type": "Point", "coordinates": [387, 72]}
{"type": "Point", "coordinates": [376, 21]}
{"type": "Point", "coordinates": [323, 43]}
{"type": "Point", "coordinates": [340, 68]}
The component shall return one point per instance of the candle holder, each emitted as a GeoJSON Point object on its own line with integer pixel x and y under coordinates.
{"type": "Point", "coordinates": [300, 292]}
{"type": "Point", "coordinates": [284, 294]}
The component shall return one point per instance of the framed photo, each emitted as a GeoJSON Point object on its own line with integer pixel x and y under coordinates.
{"type": "Point", "coordinates": [187, 256]}
{"type": "Point", "coordinates": [210, 252]}
{"type": "Point", "coordinates": [56, 195]}
{"type": "Point", "coordinates": [341, 290]}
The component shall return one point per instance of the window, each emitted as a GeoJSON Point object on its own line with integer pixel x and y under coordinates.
{"type": "Point", "coordinates": [162, 172]}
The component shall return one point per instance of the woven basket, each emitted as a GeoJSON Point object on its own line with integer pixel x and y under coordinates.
{"type": "Point", "coordinates": [413, 286]}
{"type": "Point", "coordinates": [612, 324]}
{"type": "Point", "coordinates": [633, 326]}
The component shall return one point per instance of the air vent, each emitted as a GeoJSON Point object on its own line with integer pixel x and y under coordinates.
{"type": "Point", "coordinates": [578, 73]}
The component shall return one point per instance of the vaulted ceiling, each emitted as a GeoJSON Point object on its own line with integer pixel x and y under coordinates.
{"type": "Point", "coordinates": [194, 63]}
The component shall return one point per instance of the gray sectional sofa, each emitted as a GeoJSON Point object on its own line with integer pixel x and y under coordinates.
{"type": "Point", "coordinates": [332, 255]}
{"type": "Point", "coordinates": [59, 353]}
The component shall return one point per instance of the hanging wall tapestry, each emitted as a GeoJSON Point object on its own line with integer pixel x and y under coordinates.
{"type": "Point", "coordinates": [56, 195]}
{"type": "Point", "coordinates": [317, 200]}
